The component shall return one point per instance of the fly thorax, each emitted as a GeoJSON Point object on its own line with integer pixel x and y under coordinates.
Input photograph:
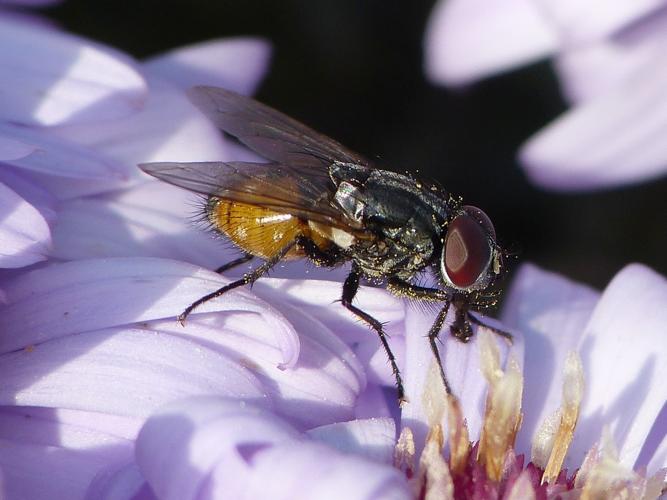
{"type": "Point", "coordinates": [350, 199]}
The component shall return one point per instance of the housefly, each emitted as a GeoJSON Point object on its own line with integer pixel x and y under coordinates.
{"type": "Point", "coordinates": [318, 200]}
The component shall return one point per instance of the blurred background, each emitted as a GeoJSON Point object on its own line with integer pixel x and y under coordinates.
{"type": "Point", "coordinates": [353, 70]}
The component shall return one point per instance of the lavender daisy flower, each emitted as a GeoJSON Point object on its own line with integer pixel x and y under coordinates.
{"type": "Point", "coordinates": [610, 59]}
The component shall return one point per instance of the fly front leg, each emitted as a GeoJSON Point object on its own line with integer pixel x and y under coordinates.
{"type": "Point", "coordinates": [350, 288]}
{"type": "Point", "coordinates": [405, 289]}
{"type": "Point", "coordinates": [247, 279]}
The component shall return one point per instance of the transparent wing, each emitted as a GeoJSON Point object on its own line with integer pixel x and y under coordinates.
{"type": "Point", "coordinates": [268, 132]}
{"type": "Point", "coordinates": [301, 191]}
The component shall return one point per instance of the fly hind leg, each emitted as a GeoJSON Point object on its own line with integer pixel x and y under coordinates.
{"type": "Point", "coordinates": [350, 288]}
{"type": "Point", "coordinates": [247, 279]}
{"type": "Point", "coordinates": [246, 257]}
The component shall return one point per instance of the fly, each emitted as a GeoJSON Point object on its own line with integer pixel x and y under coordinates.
{"type": "Point", "coordinates": [318, 200]}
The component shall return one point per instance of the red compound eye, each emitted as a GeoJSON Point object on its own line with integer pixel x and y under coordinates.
{"type": "Point", "coordinates": [467, 251]}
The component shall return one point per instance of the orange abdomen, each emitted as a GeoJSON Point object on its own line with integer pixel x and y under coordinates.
{"type": "Point", "coordinates": [260, 231]}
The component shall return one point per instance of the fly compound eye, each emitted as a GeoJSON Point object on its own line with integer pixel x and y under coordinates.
{"type": "Point", "coordinates": [468, 250]}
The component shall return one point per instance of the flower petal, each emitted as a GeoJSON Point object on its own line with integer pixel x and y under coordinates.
{"type": "Point", "coordinates": [13, 149]}
{"type": "Point", "coordinates": [609, 140]}
{"type": "Point", "coordinates": [551, 312]}
{"type": "Point", "coordinates": [623, 352]}
{"type": "Point", "coordinates": [180, 444]}
{"type": "Point", "coordinates": [50, 77]}
{"type": "Point", "coordinates": [121, 371]}
{"type": "Point", "coordinates": [373, 438]}
{"type": "Point", "coordinates": [24, 233]}
{"type": "Point", "coordinates": [582, 21]}
{"type": "Point", "coordinates": [75, 297]}
{"type": "Point", "coordinates": [168, 128]}
{"type": "Point", "coordinates": [150, 219]}
{"type": "Point", "coordinates": [237, 64]}
{"type": "Point", "coordinates": [55, 454]}
{"type": "Point", "coordinates": [470, 39]}
{"type": "Point", "coordinates": [320, 388]}
{"type": "Point", "coordinates": [596, 68]}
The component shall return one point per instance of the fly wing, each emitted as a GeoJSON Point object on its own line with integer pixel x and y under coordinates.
{"type": "Point", "coordinates": [300, 191]}
{"type": "Point", "coordinates": [268, 132]}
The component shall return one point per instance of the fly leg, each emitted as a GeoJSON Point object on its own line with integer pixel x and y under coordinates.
{"type": "Point", "coordinates": [236, 262]}
{"type": "Point", "coordinates": [405, 289]}
{"type": "Point", "coordinates": [350, 288]}
{"type": "Point", "coordinates": [502, 333]}
{"type": "Point", "coordinates": [247, 279]}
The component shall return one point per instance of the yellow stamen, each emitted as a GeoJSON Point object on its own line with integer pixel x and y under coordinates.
{"type": "Point", "coordinates": [459, 440]}
{"type": "Point", "coordinates": [433, 468]}
{"type": "Point", "coordinates": [573, 391]}
{"type": "Point", "coordinates": [404, 452]}
{"type": "Point", "coordinates": [502, 416]}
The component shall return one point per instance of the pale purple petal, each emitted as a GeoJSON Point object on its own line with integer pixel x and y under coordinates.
{"type": "Point", "coordinates": [77, 297]}
{"type": "Point", "coordinates": [610, 140]}
{"type": "Point", "coordinates": [50, 77]}
{"type": "Point", "coordinates": [285, 471]}
{"type": "Point", "coordinates": [34, 194]}
{"type": "Point", "coordinates": [237, 64]}
{"type": "Point", "coordinates": [13, 149]}
{"type": "Point", "coordinates": [469, 39]}
{"type": "Point", "coordinates": [321, 299]}
{"type": "Point", "coordinates": [25, 237]}
{"type": "Point", "coordinates": [150, 219]}
{"type": "Point", "coordinates": [462, 367]}
{"type": "Point", "coordinates": [168, 128]}
{"type": "Point", "coordinates": [373, 438]}
{"type": "Point", "coordinates": [122, 371]}
{"type": "Point", "coordinates": [320, 388]}
{"type": "Point", "coordinates": [596, 68]}
{"type": "Point", "coordinates": [119, 483]}
{"type": "Point", "coordinates": [54, 453]}
{"type": "Point", "coordinates": [552, 313]}
{"type": "Point", "coordinates": [623, 350]}
{"type": "Point", "coordinates": [180, 445]}
{"type": "Point", "coordinates": [581, 21]}
{"type": "Point", "coordinates": [211, 448]}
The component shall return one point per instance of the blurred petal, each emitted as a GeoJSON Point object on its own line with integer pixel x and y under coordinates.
{"type": "Point", "coordinates": [552, 312]}
{"type": "Point", "coordinates": [237, 64]}
{"type": "Point", "coordinates": [24, 234]}
{"type": "Point", "coordinates": [469, 39]}
{"type": "Point", "coordinates": [121, 371]}
{"type": "Point", "coordinates": [50, 77]}
{"type": "Point", "coordinates": [74, 297]}
{"type": "Point", "coordinates": [609, 140]}
{"type": "Point", "coordinates": [168, 128]}
{"type": "Point", "coordinates": [596, 68]}
{"type": "Point", "coordinates": [582, 21]}
{"type": "Point", "coordinates": [34, 194]}
{"type": "Point", "coordinates": [624, 351]}
{"type": "Point", "coordinates": [461, 362]}
{"type": "Point", "coordinates": [373, 438]}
